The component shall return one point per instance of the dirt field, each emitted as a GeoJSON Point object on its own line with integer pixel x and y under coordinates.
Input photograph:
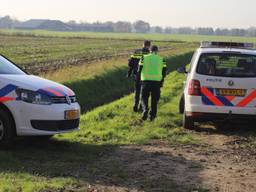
{"type": "Point", "coordinates": [223, 161]}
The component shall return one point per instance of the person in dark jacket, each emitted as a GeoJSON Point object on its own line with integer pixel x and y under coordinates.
{"type": "Point", "coordinates": [133, 66]}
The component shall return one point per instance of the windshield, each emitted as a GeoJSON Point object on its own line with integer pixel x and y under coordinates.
{"type": "Point", "coordinates": [7, 67]}
{"type": "Point", "coordinates": [227, 65]}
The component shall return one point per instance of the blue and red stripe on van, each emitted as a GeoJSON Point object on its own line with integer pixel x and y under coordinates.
{"type": "Point", "coordinates": [6, 91]}
{"type": "Point", "coordinates": [208, 98]}
{"type": "Point", "coordinates": [50, 91]}
{"type": "Point", "coordinates": [56, 91]}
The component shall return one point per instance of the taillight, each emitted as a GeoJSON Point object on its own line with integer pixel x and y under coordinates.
{"type": "Point", "coordinates": [194, 88]}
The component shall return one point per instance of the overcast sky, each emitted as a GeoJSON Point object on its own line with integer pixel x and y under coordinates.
{"type": "Point", "coordinates": [194, 13]}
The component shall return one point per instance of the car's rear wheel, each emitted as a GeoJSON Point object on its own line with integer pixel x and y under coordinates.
{"type": "Point", "coordinates": [188, 122]}
{"type": "Point", "coordinates": [7, 129]}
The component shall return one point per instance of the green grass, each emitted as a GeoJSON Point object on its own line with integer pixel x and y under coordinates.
{"type": "Point", "coordinates": [102, 88]}
{"type": "Point", "coordinates": [127, 36]}
{"type": "Point", "coordinates": [73, 161]}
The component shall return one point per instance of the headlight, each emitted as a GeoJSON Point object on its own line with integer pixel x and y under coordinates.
{"type": "Point", "coordinates": [33, 97]}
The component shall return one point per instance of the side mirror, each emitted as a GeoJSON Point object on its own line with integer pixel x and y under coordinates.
{"type": "Point", "coordinates": [182, 69]}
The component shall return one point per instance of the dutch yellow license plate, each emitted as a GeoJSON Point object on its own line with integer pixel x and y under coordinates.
{"type": "Point", "coordinates": [72, 114]}
{"type": "Point", "coordinates": [232, 92]}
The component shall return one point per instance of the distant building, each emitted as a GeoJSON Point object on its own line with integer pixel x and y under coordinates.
{"type": "Point", "coordinates": [53, 25]}
{"type": "Point", "coordinates": [99, 27]}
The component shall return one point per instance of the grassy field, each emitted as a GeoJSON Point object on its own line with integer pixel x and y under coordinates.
{"type": "Point", "coordinates": [75, 161]}
{"type": "Point", "coordinates": [131, 36]}
{"type": "Point", "coordinates": [47, 53]}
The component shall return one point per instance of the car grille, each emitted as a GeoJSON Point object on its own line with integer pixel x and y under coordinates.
{"type": "Point", "coordinates": [61, 100]}
{"type": "Point", "coordinates": [62, 125]}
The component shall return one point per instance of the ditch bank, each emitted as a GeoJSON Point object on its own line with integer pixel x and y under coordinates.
{"type": "Point", "coordinates": [113, 84]}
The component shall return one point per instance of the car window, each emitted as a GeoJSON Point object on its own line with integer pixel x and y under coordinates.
{"type": "Point", "coordinates": [227, 65]}
{"type": "Point", "coordinates": [7, 67]}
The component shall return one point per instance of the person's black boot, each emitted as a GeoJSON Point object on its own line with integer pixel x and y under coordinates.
{"type": "Point", "coordinates": [135, 108]}
{"type": "Point", "coordinates": [145, 116]}
{"type": "Point", "coordinates": [140, 109]}
{"type": "Point", "coordinates": [152, 118]}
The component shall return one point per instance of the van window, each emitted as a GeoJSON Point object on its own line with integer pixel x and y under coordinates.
{"type": "Point", "coordinates": [227, 65]}
{"type": "Point", "coordinates": [7, 67]}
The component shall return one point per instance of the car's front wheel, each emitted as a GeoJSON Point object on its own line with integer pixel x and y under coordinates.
{"type": "Point", "coordinates": [7, 129]}
{"type": "Point", "coordinates": [188, 122]}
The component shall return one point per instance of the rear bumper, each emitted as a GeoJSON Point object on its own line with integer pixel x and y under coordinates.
{"type": "Point", "coordinates": [215, 117]}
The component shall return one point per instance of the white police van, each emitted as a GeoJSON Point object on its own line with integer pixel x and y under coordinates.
{"type": "Point", "coordinates": [220, 85]}
{"type": "Point", "coordinates": [32, 106]}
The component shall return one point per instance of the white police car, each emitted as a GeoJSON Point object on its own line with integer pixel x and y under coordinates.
{"type": "Point", "coordinates": [32, 106]}
{"type": "Point", "coordinates": [220, 85]}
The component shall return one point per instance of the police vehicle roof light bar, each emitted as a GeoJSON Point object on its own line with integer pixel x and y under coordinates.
{"type": "Point", "coordinates": [215, 44]}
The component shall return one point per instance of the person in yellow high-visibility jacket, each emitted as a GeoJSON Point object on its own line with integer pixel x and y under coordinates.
{"type": "Point", "coordinates": [152, 71]}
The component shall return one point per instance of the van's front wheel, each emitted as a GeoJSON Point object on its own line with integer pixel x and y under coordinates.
{"type": "Point", "coordinates": [7, 129]}
{"type": "Point", "coordinates": [188, 122]}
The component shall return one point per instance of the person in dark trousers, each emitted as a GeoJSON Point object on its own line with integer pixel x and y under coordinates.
{"type": "Point", "coordinates": [152, 70]}
{"type": "Point", "coordinates": [133, 66]}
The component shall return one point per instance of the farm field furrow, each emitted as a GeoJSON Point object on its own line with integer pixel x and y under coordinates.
{"type": "Point", "coordinates": [45, 53]}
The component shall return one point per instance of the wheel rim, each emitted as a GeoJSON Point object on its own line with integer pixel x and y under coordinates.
{"type": "Point", "coordinates": [1, 130]}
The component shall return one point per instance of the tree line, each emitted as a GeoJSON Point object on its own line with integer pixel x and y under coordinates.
{"type": "Point", "coordinates": [120, 27]}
